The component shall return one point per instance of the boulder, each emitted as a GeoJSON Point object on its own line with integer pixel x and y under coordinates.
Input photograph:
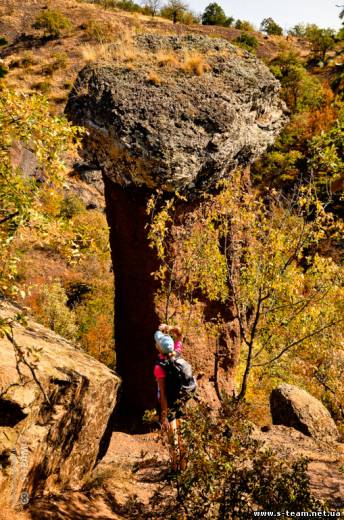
{"type": "Point", "coordinates": [294, 407]}
{"type": "Point", "coordinates": [55, 404]}
{"type": "Point", "coordinates": [186, 130]}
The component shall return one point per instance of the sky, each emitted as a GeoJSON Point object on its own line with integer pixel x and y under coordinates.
{"type": "Point", "coordinates": [286, 13]}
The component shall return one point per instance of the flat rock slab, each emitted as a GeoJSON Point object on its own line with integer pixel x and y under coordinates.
{"type": "Point", "coordinates": [186, 112]}
{"type": "Point", "coordinates": [52, 418]}
{"type": "Point", "coordinates": [294, 407]}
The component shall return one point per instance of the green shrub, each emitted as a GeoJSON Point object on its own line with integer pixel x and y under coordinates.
{"type": "Point", "coordinates": [229, 474]}
{"type": "Point", "coordinates": [129, 5]}
{"type": "Point", "coordinates": [53, 22]}
{"type": "Point", "coordinates": [60, 62]}
{"type": "Point", "coordinates": [247, 41]}
{"type": "Point", "coordinates": [300, 90]}
{"type": "Point", "coordinates": [244, 25]}
{"type": "Point", "coordinates": [3, 70]}
{"type": "Point", "coordinates": [42, 86]}
{"type": "Point", "coordinates": [55, 313]}
{"type": "Point", "coordinates": [101, 31]}
{"type": "Point", "coordinates": [71, 205]}
{"type": "Point", "coordinates": [108, 4]}
{"type": "Point", "coordinates": [25, 61]}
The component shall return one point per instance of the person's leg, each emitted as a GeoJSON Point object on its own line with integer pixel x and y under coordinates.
{"type": "Point", "coordinates": [173, 443]}
{"type": "Point", "coordinates": [181, 447]}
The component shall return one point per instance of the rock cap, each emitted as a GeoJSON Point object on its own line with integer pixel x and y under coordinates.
{"type": "Point", "coordinates": [186, 113]}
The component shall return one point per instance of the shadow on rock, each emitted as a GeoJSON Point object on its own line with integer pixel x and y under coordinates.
{"type": "Point", "coordinates": [71, 506]}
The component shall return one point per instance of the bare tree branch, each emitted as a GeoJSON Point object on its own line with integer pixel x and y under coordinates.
{"type": "Point", "coordinates": [297, 342]}
{"type": "Point", "coordinates": [9, 217]}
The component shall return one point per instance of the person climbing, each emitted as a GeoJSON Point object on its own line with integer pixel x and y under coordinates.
{"type": "Point", "coordinates": [175, 385]}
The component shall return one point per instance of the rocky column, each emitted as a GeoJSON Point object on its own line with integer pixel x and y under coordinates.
{"type": "Point", "coordinates": [184, 132]}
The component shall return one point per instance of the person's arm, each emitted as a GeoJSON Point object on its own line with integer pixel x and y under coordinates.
{"type": "Point", "coordinates": [176, 333]}
{"type": "Point", "coordinates": [170, 329]}
{"type": "Point", "coordinates": [163, 327]}
{"type": "Point", "coordinates": [163, 402]}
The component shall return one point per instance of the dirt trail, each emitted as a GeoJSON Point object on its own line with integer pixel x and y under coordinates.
{"type": "Point", "coordinates": [133, 465]}
{"type": "Point", "coordinates": [136, 465]}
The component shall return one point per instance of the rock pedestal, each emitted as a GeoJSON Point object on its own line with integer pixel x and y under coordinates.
{"type": "Point", "coordinates": [211, 108]}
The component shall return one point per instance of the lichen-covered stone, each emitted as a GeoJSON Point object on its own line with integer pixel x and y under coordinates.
{"type": "Point", "coordinates": [51, 429]}
{"type": "Point", "coordinates": [186, 132]}
{"type": "Point", "coordinates": [294, 407]}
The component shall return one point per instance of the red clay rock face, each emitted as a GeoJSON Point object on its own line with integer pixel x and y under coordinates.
{"type": "Point", "coordinates": [135, 315]}
{"type": "Point", "coordinates": [184, 134]}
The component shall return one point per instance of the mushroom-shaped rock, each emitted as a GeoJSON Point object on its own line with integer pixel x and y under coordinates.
{"type": "Point", "coordinates": [174, 113]}
{"type": "Point", "coordinates": [55, 405]}
{"type": "Point", "coordinates": [294, 407]}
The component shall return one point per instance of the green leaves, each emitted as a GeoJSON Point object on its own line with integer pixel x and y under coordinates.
{"type": "Point", "coordinates": [26, 121]}
{"type": "Point", "coordinates": [261, 258]}
{"type": "Point", "coordinates": [53, 22]}
{"type": "Point", "coordinates": [231, 475]}
{"type": "Point", "coordinates": [327, 154]}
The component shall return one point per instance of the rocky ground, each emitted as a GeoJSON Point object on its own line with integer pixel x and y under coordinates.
{"type": "Point", "coordinates": [136, 464]}
{"type": "Point", "coordinates": [133, 465]}
{"type": "Point", "coordinates": [326, 461]}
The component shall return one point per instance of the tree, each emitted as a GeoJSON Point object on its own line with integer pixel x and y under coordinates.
{"type": "Point", "coordinates": [214, 15]}
{"type": "Point", "coordinates": [152, 6]}
{"type": "Point", "coordinates": [244, 25]}
{"type": "Point", "coordinates": [26, 120]}
{"type": "Point", "coordinates": [341, 14]}
{"type": "Point", "coordinates": [269, 26]}
{"type": "Point", "coordinates": [321, 40]}
{"type": "Point", "coordinates": [174, 9]}
{"type": "Point", "coordinates": [327, 155]}
{"type": "Point", "coordinates": [299, 30]}
{"type": "Point", "coordinates": [261, 257]}
{"type": "Point", "coordinates": [300, 90]}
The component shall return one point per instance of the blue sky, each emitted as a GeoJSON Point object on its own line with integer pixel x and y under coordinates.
{"type": "Point", "coordinates": [286, 13]}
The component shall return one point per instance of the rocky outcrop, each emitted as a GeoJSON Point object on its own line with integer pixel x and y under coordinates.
{"type": "Point", "coordinates": [185, 131]}
{"type": "Point", "coordinates": [180, 116]}
{"type": "Point", "coordinates": [294, 407]}
{"type": "Point", "coordinates": [325, 459]}
{"type": "Point", "coordinates": [55, 404]}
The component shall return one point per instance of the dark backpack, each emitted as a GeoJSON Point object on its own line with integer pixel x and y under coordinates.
{"type": "Point", "coordinates": [180, 382]}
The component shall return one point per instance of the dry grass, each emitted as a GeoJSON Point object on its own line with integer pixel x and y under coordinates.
{"type": "Point", "coordinates": [167, 59]}
{"type": "Point", "coordinates": [122, 54]}
{"type": "Point", "coordinates": [153, 78]}
{"type": "Point", "coordinates": [194, 63]}
{"type": "Point", "coordinates": [99, 35]}
{"type": "Point", "coordinates": [93, 53]}
{"type": "Point", "coordinates": [102, 31]}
